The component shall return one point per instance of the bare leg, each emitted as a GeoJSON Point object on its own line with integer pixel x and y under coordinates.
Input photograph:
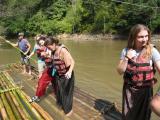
{"type": "Point", "coordinates": [29, 70]}
{"type": "Point", "coordinates": [155, 105]}
{"type": "Point", "coordinates": [24, 69]}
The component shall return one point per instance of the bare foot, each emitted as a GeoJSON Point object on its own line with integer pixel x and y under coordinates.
{"type": "Point", "coordinates": [24, 72]}
{"type": "Point", "coordinates": [30, 73]}
{"type": "Point", "coordinates": [68, 114]}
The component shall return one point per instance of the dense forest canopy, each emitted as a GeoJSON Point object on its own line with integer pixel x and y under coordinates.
{"type": "Point", "coordinates": [77, 16]}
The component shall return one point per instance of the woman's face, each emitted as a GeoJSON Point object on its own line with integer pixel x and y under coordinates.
{"type": "Point", "coordinates": [142, 39]}
{"type": "Point", "coordinates": [41, 42]}
{"type": "Point", "coordinates": [52, 47]}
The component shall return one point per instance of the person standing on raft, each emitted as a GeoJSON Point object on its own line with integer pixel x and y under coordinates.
{"type": "Point", "coordinates": [137, 65]}
{"type": "Point", "coordinates": [64, 65]}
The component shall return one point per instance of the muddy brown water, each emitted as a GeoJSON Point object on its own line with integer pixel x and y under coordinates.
{"type": "Point", "coordinates": [95, 66]}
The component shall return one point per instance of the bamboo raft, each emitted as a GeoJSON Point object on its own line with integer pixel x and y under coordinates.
{"type": "Point", "coordinates": [85, 106]}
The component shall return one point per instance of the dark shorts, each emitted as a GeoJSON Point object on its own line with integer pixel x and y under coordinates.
{"type": "Point", "coordinates": [24, 59]}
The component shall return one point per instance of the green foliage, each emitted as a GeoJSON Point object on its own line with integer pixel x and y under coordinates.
{"type": "Point", "coordinates": [77, 16]}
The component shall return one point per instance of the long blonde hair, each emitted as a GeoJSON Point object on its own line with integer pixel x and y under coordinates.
{"type": "Point", "coordinates": [133, 35]}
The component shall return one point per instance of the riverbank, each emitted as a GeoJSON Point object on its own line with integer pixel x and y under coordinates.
{"type": "Point", "coordinates": [65, 36]}
{"type": "Point", "coordinates": [89, 37]}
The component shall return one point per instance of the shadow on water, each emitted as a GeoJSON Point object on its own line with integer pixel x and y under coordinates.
{"type": "Point", "coordinates": [107, 109]}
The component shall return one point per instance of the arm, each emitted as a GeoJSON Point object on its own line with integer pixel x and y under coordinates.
{"type": "Point", "coordinates": [157, 64]}
{"type": "Point", "coordinates": [47, 54]}
{"type": "Point", "coordinates": [33, 51]}
{"type": "Point", "coordinates": [126, 55]}
{"type": "Point", "coordinates": [121, 68]}
{"type": "Point", "coordinates": [69, 61]}
{"type": "Point", "coordinates": [156, 58]}
{"type": "Point", "coordinates": [13, 44]}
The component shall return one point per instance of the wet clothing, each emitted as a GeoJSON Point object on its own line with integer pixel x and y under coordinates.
{"type": "Point", "coordinates": [65, 87]}
{"type": "Point", "coordinates": [137, 87]}
{"type": "Point", "coordinates": [43, 82]}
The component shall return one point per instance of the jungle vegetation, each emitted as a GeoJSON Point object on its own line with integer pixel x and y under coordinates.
{"type": "Point", "coordinates": [77, 16]}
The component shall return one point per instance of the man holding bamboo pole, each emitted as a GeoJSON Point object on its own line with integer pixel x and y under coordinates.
{"type": "Point", "coordinates": [24, 48]}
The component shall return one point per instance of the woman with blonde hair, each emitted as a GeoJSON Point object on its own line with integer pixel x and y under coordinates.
{"type": "Point", "coordinates": [137, 65]}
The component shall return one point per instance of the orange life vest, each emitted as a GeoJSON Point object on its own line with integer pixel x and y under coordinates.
{"type": "Point", "coordinates": [139, 72]}
{"type": "Point", "coordinates": [59, 63]}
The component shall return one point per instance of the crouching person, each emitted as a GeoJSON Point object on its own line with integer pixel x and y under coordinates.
{"type": "Point", "coordinates": [46, 78]}
{"type": "Point", "coordinates": [64, 64]}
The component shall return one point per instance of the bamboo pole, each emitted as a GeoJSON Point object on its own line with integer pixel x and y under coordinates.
{"type": "Point", "coordinates": [10, 81]}
{"type": "Point", "coordinates": [38, 116]}
{"type": "Point", "coordinates": [24, 114]}
{"type": "Point", "coordinates": [20, 108]}
{"type": "Point", "coordinates": [3, 111]}
{"type": "Point", "coordinates": [43, 113]}
{"type": "Point", "coordinates": [4, 100]}
{"type": "Point", "coordinates": [7, 107]}
{"type": "Point", "coordinates": [13, 107]}
{"type": "Point", "coordinates": [7, 95]}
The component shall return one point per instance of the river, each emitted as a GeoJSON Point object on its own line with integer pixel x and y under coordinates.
{"type": "Point", "coordinates": [95, 66]}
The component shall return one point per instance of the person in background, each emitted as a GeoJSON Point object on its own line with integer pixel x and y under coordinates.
{"type": "Point", "coordinates": [137, 65]}
{"type": "Point", "coordinates": [41, 52]}
{"type": "Point", "coordinates": [24, 47]}
{"type": "Point", "coordinates": [64, 64]}
{"type": "Point", "coordinates": [45, 67]}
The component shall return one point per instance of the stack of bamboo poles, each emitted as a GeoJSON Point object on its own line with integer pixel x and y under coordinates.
{"type": "Point", "coordinates": [14, 103]}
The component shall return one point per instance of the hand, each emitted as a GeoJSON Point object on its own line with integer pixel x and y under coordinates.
{"type": "Point", "coordinates": [43, 54]}
{"type": "Point", "coordinates": [68, 75]}
{"type": "Point", "coordinates": [7, 41]}
{"type": "Point", "coordinates": [25, 53]}
{"type": "Point", "coordinates": [131, 53]}
{"type": "Point", "coordinates": [28, 57]}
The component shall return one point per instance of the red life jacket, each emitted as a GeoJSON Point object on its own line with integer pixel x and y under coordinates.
{"type": "Point", "coordinates": [60, 64]}
{"type": "Point", "coordinates": [39, 51]}
{"type": "Point", "coordinates": [139, 73]}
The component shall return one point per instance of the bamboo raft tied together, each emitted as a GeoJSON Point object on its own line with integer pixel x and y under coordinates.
{"type": "Point", "coordinates": [14, 103]}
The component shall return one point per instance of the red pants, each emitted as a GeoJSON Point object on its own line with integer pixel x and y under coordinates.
{"type": "Point", "coordinates": [43, 82]}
